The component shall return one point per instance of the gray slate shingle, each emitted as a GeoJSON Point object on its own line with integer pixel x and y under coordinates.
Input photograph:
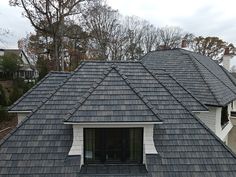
{"type": "Point", "coordinates": [113, 99]}
{"type": "Point", "coordinates": [41, 91]}
{"type": "Point", "coordinates": [40, 145]}
{"type": "Point", "coordinates": [205, 79]}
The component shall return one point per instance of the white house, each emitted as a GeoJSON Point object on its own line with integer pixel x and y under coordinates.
{"type": "Point", "coordinates": [26, 70]}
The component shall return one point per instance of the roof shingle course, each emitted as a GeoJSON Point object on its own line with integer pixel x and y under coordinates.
{"type": "Point", "coordinates": [41, 91]}
{"type": "Point", "coordinates": [199, 74]}
{"type": "Point", "coordinates": [40, 145]}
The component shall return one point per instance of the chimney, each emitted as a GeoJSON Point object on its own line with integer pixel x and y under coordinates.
{"type": "Point", "coordinates": [184, 43]}
{"type": "Point", "coordinates": [226, 59]}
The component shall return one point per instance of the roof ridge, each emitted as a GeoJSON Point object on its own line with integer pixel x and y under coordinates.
{"type": "Point", "coordinates": [139, 94]}
{"type": "Point", "coordinates": [215, 75]}
{"type": "Point", "coordinates": [43, 102]}
{"type": "Point", "coordinates": [29, 91]}
{"type": "Point", "coordinates": [191, 58]}
{"type": "Point", "coordinates": [198, 119]}
{"type": "Point", "coordinates": [129, 84]}
{"type": "Point", "coordinates": [187, 90]}
{"type": "Point", "coordinates": [88, 93]}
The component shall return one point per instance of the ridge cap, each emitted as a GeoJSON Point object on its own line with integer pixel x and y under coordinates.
{"type": "Point", "coordinates": [202, 76]}
{"type": "Point", "coordinates": [139, 94]}
{"type": "Point", "coordinates": [88, 93]}
{"type": "Point", "coordinates": [97, 83]}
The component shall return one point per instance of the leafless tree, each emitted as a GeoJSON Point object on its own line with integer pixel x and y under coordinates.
{"type": "Point", "coordinates": [49, 17]}
{"type": "Point", "coordinates": [171, 37]}
{"type": "Point", "coordinates": [150, 37]}
{"type": "Point", "coordinates": [3, 34]}
{"type": "Point", "coordinates": [134, 33]}
{"type": "Point", "coordinates": [102, 24]}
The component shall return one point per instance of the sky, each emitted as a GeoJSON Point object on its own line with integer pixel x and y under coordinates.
{"type": "Point", "coordinates": [200, 17]}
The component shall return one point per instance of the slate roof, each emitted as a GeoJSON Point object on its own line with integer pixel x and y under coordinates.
{"type": "Point", "coordinates": [113, 99]}
{"type": "Point", "coordinates": [39, 146]}
{"type": "Point", "coordinates": [40, 92]}
{"type": "Point", "coordinates": [204, 78]}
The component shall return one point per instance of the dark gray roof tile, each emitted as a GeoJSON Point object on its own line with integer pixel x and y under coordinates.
{"type": "Point", "coordinates": [31, 99]}
{"type": "Point", "coordinates": [205, 79]}
{"type": "Point", "coordinates": [39, 146]}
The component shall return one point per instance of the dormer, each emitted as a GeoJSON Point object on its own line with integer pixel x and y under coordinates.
{"type": "Point", "coordinates": [113, 123]}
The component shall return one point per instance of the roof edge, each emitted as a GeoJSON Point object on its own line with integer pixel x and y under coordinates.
{"type": "Point", "coordinates": [2, 141]}
{"type": "Point", "coordinates": [214, 76]}
{"type": "Point", "coordinates": [28, 92]}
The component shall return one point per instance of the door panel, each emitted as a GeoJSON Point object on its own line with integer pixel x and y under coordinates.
{"type": "Point", "coordinates": [113, 145]}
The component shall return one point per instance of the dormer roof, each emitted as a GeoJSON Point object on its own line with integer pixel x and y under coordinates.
{"type": "Point", "coordinates": [113, 98]}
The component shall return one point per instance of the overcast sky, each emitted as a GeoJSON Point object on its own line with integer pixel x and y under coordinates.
{"type": "Point", "coordinates": [201, 17]}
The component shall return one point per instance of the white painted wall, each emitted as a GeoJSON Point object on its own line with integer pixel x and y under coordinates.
{"type": "Point", "coordinates": [78, 138]}
{"type": "Point", "coordinates": [234, 105]}
{"type": "Point", "coordinates": [213, 120]}
{"type": "Point", "coordinates": [21, 116]}
{"type": "Point", "coordinates": [209, 118]}
{"type": "Point", "coordinates": [232, 133]}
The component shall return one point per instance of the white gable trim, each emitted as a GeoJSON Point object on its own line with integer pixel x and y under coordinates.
{"type": "Point", "coordinates": [113, 123]}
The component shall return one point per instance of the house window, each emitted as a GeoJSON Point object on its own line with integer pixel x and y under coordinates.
{"type": "Point", "coordinates": [113, 145]}
{"type": "Point", "coordinates": [224, 116]}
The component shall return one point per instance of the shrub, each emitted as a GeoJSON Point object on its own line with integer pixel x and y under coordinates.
{"type": "Point", "coordinates": [3, 114]}
{"type": "Point", "coordinates": [3, 97]}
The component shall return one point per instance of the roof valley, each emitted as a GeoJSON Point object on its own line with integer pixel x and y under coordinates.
{"type": "Point", "coordinates": [154, 76]}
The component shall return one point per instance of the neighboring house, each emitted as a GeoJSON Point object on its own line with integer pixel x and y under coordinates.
{"type": "Point", "coordinates": [113, 119]}
{"type": "Point", "coordinates": [207, 81]}
{"type": "Point", "coordinates": [27, 70]}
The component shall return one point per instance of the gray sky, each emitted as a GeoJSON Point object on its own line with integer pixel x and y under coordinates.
{"type": "Point", "coordinates": [11, 18]}
{"type": "Point", "coordinates": [201, 17]}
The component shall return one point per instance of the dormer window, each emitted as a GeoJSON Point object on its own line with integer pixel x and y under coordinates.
{"type": "Point", "coordinates": [113, 145]}
{"type": "Point", "coordinates": [224, 116]}
{"type": "Point", "coordinates": [113, 123]}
